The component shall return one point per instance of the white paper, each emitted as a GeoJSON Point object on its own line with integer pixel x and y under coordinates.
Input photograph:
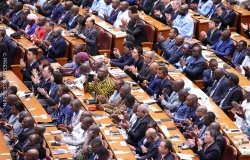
{"type": "Point", "coordinates": [123, 143]}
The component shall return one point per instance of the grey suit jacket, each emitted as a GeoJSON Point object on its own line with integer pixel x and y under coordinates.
{"type": "Point", "coordinates": [91, 41]}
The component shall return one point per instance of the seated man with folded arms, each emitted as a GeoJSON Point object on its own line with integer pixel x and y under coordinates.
{"type": "Point", "coordinates": [102, 84]}
{"type": "Point", "coordinates": [77, 137]}
{"type": "Point", "coordinates": [224, 46]}
{"type": "Point", "coordinates": [171, 101]}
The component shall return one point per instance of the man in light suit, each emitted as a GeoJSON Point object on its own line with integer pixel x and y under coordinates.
{"type": "Point", "coordinates": [90, 36]}
{"type": "Point", "coordinates": [178, 52]}
{"type": "Point", "coordinates": [225, 46]}
{"type": "Point", "coordinates": [234, 93]}
{"type": "Point", "coordinates": [212, 35]}
{"type": "Point", "coordinates": [194, 70]}
{"type": "Point", "coordinates": [239, 54]}
{"type": "Point", "coordinates": [220, 86]}
{"type": "Point", "coordinates": [164, 150]}
{"type": "Point", "coordinates": [208, 74]}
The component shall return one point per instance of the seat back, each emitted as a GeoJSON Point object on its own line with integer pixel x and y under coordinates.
{"type": "Point", "coordinates": [230, 153]}
{"type": "Point", "coordinates": [150, 30]}
{"type": "Point", "coordinates": [99, 30]}
{"type": "Point", "coordinates": [104, 40]}
{"type": "Point", "coordinates": [18, 54]}
{"type": "Point", "coordinates": [63, 60]}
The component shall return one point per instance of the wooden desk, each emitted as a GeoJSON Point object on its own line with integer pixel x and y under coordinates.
{"type": "Point", "coordinates": [32, 105]}
{"type": "Point", "coordinates": [49, 138]}
{"type": "Point", "coordinates": [4, 151]}
{"type": "Point", "coordinates": [237, 37]}
{"type": "Point", "coordinates": [160, 28]}
{"type": "Point", "coordinates": [244, 17]}
{"type": "Point", "coordinates": [201, 25]}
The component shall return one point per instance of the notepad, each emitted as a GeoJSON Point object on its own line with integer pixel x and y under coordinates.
{"type": "Point", "coordinates": [121, 152]}
{"type": "Point", "coordinates": [149, 101]}
{"type": "Point", "coordinates": [59, 151]}
{"type": "Point", "coordinates": [185, 156]}
{"type": "Point", "coordinates": [56, 132]}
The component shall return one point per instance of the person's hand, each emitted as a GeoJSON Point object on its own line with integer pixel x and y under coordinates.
{"type": "Point", "coordinates": [235, 104]}
{"type": "Point", "coordinates": [102, 99]}
{"type": "Point", "coordinates": [168, 17]}
{"type": "Point", "coordinates": [164, 91]}
{"type": "Point", "coordinates": [38, 6]}
{"type": "Point", "coordinates": [245, 26]}
{"type": "Point", "coordinates": [182, 62]}
{"type": "Point", "coordinates": [246, 68]}
{"type": "Point", "coordinates": [42, 91]}
{"type": "Point", "coordinates": [82, 36]}
{"type": "Point", "coordinates": [144, 149]}
{"type": "Point", "coordinates": [203, 35]}
{"type": "Point", "coordinates": [22, 63]}
{"type": "Point", "coordinates": [55, 107]}
{"type": "Point", "coordinates": [157, 13]}
{"type": "Point", "coordinates": [133, 69]}
{"type": "Point", "coordinates": [196, 130]}
{"type": "Point", "coordinates": [168, 113]}
{"type": "Point", "coordinates": [117, 52]}
{"type": "Point", "coordinates": [160, 39]}
{"type": "Point", "coordinates": [219, 11]}
{"type": "Point", "coordinates": [132, 147]}
{"type": "Point", "coordinates": [58, 139]}
{"type": "Point", "coordinates": [20, 153]}
{"type": "Point", "coordinates": [199, 144]}
{"type": "Point", "coordinates": [161, 97]}
{"type": "Point", "coordinates": [100, 107]}
{"type": "Point", "coordinates": [187, 121]}
{"type": "Point", "coordinates": [238, 69]}
{"type": "Point", "coordinates": [125, 126]}
{"type": "Point", "coordinates": [106, 16]}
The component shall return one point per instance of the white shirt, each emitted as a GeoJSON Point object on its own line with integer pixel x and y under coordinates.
{"type": "Point", "coordinates": [121, 15]}
{"type": "Point", "coordinates": [245, 63]}
{"type": "Point", "coordinates": [105, 10]}
{"type": "Point", "coordinates": [239, 121]}
{"type": "Point", "coordinates": [40, 2]}
{"type": "Point", "coordinates": [76, 118]}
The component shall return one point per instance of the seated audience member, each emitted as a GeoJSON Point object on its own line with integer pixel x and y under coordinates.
{"type": "Point", "coordinates": [5, 112]}
{"type": "Point", "coordinates": [187, 54]}
{"type": "Point", "coordinates": [197, 65]}
{"type": "Point", "coordinates": [31, 154]}
{"type": "Point", "coordinates": [4, 7]}
{"type": "Point", "coordinates": [40, 130]}
{"type": "Point", "coordinates": [246, 28]}
{"type": "Point", "coordinates": [104, 154]}
{"type": "Point", "coordinates": [160, 14]}
{"type": "Point", "coordinates": [214, 11]}
{"type": "Point", "coordinates": [122, 15]}
{"type": "Point", "coordinates": [168, 45]}
{"type": "Point", "coordinates": [32, 64]}
{"type": "Point", "coordinates": [219, 139]}
{"type": "Point", "coordinates": [137, 60]}
{"type": "Point", "coordinates": [184, 23]}
{"type": "Point", "coordinates": [135, 27]}
{"type": "Point", "coordinates": [77, 48]}
{"type": "Point", "coordinates": [180, 113]}
{"type": "Point", "coordinates": [154, 6]}
{"type": "Point", "coordinates": [152, 150]}
{"type": "Point", "coordinates": [165, 84]}
{"type": "Point", "coordinates": [32, 25]}
{"type": "Point", "coordinates": [43, 83]}
{"type": "Point", "coordinates": [62, 113]}
{"type": "Point", "coordinates": [102, 84]}
{"type": "Point", "coordinates": [64, 19]}
{"type": "Point", "coordinates": [244, 68]}
{"type": "Point", "coordinates": [57, 47]}
{"type": "Point", "coordinates": [164, 151]}
{"type": "Point", "coordinates": [144, 73]}
{"type": "Point", "coordinates": [208, 149]}
{"type": "Point", "coordinates": [22, 21]}
{"type": "Point", "coordinates": [90, 36]}
{"type": "Point", "coordinates": [170, 17]}
{"type": "Point", "coordinates": [226, 16]}
{"type": "Point", "coordinates": [54, 10]}
{"type": "Point", "coordinates": [234, 93]}
{"type": "Point", "coordinates": [111, 18]}
{"type": "Point", "coordinates": [138, 129]}
{"type": "Point", "coordinates": [40, 31]}
{"type": "Point", "coordinates": [44, 43]}
{"type": "Point", "coordinates": [219, 88]}
{"type": "Point", "coordinates": [78, 135]}
{"type": "Point", "coordinates": [96, 65]}
{"type": "Point", "coordinates": [208, 79]}
{"type": "Point", "coordinates": [74, 18]}
{"type": "Point", "coordinates": [177, 52]}
{"type": "Point", "coordinates": [154, 82]}
{"type": "Point", "coordinates": [105, 9]}
{"type": "Point", "coordinates": [204, 7]}
{"type": "Point", "coordinates": [196, 122]}
{"type": "Point", "coordinates": [225, 46]}
{"type": "Point", "coordinates": [96, 6]}
{"type": "Point", "coordinates": [76, 108]}
{"type": "Point", "coordinates": [213, 34]}
{"type": "Point", "coordinates": [125, 58]}
{"type": "Point", "coordinates": [242, 113]}
{"type": "Point", "coordinates": [14, 15]}
{"type": "Point", "coordinates": [239, 54]}
{"type": "Point", "coordinates": [171, 101]}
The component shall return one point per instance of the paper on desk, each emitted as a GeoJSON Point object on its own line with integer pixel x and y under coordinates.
{"type": "Point", "coordinates": [165, 130]}
{"type": "Point", "coordinates": [153, 108]}
{"type": "Point", "coordinates": [149, 101]}
{"type": "Point", "coordinates": [102, 117]}
{"type": "Point", "coordinates": [59, 151]}
{"type": "Point", "coordinates": [123, 143]}
{"type": "Point", "coordinates": [4, 154]}
{"type": "Point", "coordinates": [233, 130]}
{"type": "Point", "coordinates": [56, 132]}
{"type": "Point", "coordinates": [121, 152]}
{"type": "Point", "coordinates": [107, 132]}
{"type": "Point", "coordinates": [185, 156]}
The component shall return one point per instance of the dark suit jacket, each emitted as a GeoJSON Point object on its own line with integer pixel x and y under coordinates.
{"type": "Point", "coordinates": [189, 2]}
{"type": "Point", "coordinates": [15, 17]}
{"type": "Point", "coordinates": [176, 55]}
{"type": "Point", "coordinates": [23, 138]}
{"type": "Point", "coordinates": [113, 16]}
{"type": "Point", "coordinates": [194, 70]}
{"type": "Point", "coordinates": [71, 25]}
{"type": "Point", "coordinates": [223, 48]}
{"type": "Point", "coordinates": [234, 95]}
{"type": "Point", "coordinates": [238, 57]}
{"type": "Point", "coordinates": [57, 12]}
{"type": "Point", "coordinates": [213, 12]}
{"type": "Point", "coordinates": [220, 140]}
{"type": "Point", "coordinates": [164, 10]}
{"type": "Point", "coordinates": [43, 84]}
{"type": "Point", "coordinates": [212, 39]}
{"type": "Point", "coordinates": [146, 6]}
{"type": "Point", "coordinates": [27, 73]}
{"type": "Point", "coordinates": [152, 150]}
{"type": "Point", "coordinates": [64, 19]}
{"type": "Point", "coordinates": [167, 84]}
{"type": "Point", "coordinates": [220, 91]}
{"type": "Point", "coordinates": [4, 7]}
{"type": "Point", "coordinates": [208, 78]}
{"type": "Point", "coordinates": [124, 60]}
{"type": "Point", "coordinates": [227, 19]}
{"type": "Point", "coordinates": [138, 130]}
{"type": "Point", "coordinates": [58, 48]}
{"type": "Point", "coordinates": [53, 99]}
{"type": "Point", "coordinates": [46, 9]}
{"type": "Point", "coordinates": [168, 46]}
{"type": "Point", "coordinates": [248, 32]}
{"type": "Point", "coordinates": [168, 156]}
{"type": "Point", "coordinates": [211, 153]}
{"type": "Point", "coordinates": [158, 6]}
{"type": "Point", "coordinates": [138, 31]}
{"type": "Point", "coordinates": [91, 41]}
{"type": "Point", "coordinates": [144, 73]}
{"type": "Point", "coordinates": [154, 83]}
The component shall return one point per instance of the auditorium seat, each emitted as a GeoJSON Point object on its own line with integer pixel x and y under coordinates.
{"type": "Point", "coordinates": [230, 153]}
{"type": "Point", "coordinates": [150, 30]}
{"type": "Point", "coordinates": [104, 43]}
{"type": "Point", "coordinates": [63, 60]}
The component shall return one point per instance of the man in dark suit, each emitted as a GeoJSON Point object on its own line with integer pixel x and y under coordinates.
{"type": "Point", "coordinates": [216, 4]}
{"type": "Point", "coordinates": [64, 19]}
{"type": "Point", "coordinates": [114, 13]}
{"type": "Point", "coordinates": [194, 70]}
{"type": "Point", "coordinates": [22, 21]}
{"type": "Point", "coordinates": [31, 64]}
{"type": "Point", "coordinates": [225, 46]}
{"type": "Point", "coordinates": [239, 54]}
{"type": "Point", "coordinates": [208, 149]}
{"type": "Point", "coordinates": [220, 86]}
{"type": "Point", "coordinates": [146, 6]}
{"type": "Point", "coordinates": [90, 36]}
{"type": "Point", "coordinates": [144, 73]}
{"type": "Point", "coordinates": [227, 17]}
{"type": "Point", "coordinates": [212, 35]}
{"type": "Point", "coordinates": [152, 150]}
{"type": "Point", "coordinates": [17, 12]}
{"type": "Point", "coordinates": [57, 11]}
{"type": "Point", "coordinates": [46, 9]}
{"type": "Point", "coordinates": [156, 5]}
{"type": "Point", "coordinates": [220, 140]}
{"type": "Point", "coordinates": [164, 150]}
{"type": "Point", "coordinates": [4, 7]}
{"type": "Point", "coordinates": [160, 14]}
{"type": "Point", "coordinates": [178, 52]}
{"type": "Point", "coordinates": [165, 84]}
{"type": "Point", "coordinates": [208, 74]}
{"type": "Point", "coordinates": [234, 93]}
{"type": "Point", "coordinates": [74, 18]}
{"type": "Point", "coordinates": [138, 129]}
{"type": "Point", "coordinates": [168, 45]}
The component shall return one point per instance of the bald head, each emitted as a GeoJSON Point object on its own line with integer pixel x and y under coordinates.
{"type": "Point", "coordinates": [22, 115]}
{"type": "Point", "coordinates": [65, 99]}
{"type": "Point", "coordinates": [68, 5]}
{"type": "Point", "coordinates": [39, 129]}
{"type": "Point", "coordinates": [179, 40]}
{"type": "Point", "coordinates": [154, 68]}
{"type": "Point", "coordinates": [178, 85]}
{"type": "Point", "coordinates": [32, 154]}
{"type": "Point", "coordinates": [218, 73]}
{"type": "Point", "coordinates": [75, 10]}
{"type": "Point", "coordinates": [201, 111]}
{"type": "Point", "coordinates": [149, 57]}
{"type": "Point", "coordinates": [11, 98]}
